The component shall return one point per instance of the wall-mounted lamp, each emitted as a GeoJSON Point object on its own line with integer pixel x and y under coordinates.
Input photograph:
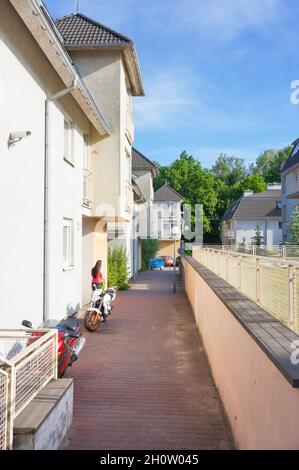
{"type": "Point", "coordinates": [16, 136]}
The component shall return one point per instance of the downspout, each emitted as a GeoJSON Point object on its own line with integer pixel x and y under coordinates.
{"type": "Point", "coordinates": [47, 172]}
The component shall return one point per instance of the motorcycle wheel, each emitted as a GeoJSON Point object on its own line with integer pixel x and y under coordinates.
{"type": "Point", "coordinates": [92, 321]}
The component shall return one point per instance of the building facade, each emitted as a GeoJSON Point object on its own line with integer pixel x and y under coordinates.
{"type": "Point", "coordinates": [108, 63]}
{"type": "Point", "coordinates": [46, 116]}
{"type": "Point", "coordinates": [254, 211]}
{"type": "Point", "coordinates": [167, 219]}
{"type": "Point", "coordinates": [290, 188]}
{"type": "Point", "coordinates": [144, 171]}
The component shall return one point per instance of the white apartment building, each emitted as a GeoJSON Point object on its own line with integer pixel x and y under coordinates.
{"type": "Point", "coordinates": [108, 63]}
{"type": "Point", "coordinates": [263, 210]}
{"type": "Point", "coordinates": [290, 187]}
{"type": "Point", "coordinates": [144, 171]}
{"type": "Point", "coordinates": [47, 116]}
{"type": "Point", "coordinates": [167, 215]}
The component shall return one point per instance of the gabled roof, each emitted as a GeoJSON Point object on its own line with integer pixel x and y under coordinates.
{"type": "Point", "coordinates": [81, 32]}
{"type": "Point", "coordinates": [259, 206]}
{"type": "Point", "coordinates": [293, 157]}
{"type": "Point", "coordinates": [167, 193]}
{"type": "Point", "coordinates": [38, 20]}
{"type": "Point", "coordinates": [141, 162]}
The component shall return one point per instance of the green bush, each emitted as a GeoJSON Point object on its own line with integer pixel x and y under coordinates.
{"type": "Point", "coordinates": [118, 273]}
{"type": "Point", "coordinates": [149, 249]}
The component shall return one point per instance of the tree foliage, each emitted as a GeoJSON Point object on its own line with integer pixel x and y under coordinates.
{"type": "Point", "coordinates": [294, 228]}
{"type": "Point", "coordinates": [149, 249]}
{"type": "Point", "coordinates": [118, 273]}
{"type": "Point", "coordinates": [219, 187]}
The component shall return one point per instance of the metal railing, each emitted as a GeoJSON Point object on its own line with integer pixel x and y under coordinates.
{"type": "Point", "coordinates": [270, 282]}
{"type": "Point", "coordinates": [3, 409]}
{"type": "Point", "coordinates": [272, 251]}
{"type": "Point", "coordinates": [28, 361]}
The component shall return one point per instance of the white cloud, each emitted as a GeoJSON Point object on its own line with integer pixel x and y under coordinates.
{"type": "Point", "coordinates": [216, 19]}
{"type": "Point", "coordinates": [168, 102]}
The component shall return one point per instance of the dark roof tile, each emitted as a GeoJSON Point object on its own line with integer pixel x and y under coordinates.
{"type": "Point", "coordinates": [259, 206]}
{"type": "Point", "coordinates": [293, 158]}
{"type": "Point", "coordinates": [166, 193]}
{"type": "Point", "coordinates": [78, 30]}
{"type": "Point", "coordinates": [141, 162]}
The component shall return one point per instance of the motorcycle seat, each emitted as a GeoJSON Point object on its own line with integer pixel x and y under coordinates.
{"type": "Point", "coordinates": [70, 323]}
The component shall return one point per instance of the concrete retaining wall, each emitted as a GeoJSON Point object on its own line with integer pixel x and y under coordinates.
{"type": "Point", "coordinates": [262, 406]}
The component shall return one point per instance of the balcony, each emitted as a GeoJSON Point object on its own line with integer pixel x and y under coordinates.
{"type": "Point", "coordinates": [130, 130]}
{"type": "Point", "coordinates": [230, 235]}
{"type": "Point", "coordinates": [87, 189]}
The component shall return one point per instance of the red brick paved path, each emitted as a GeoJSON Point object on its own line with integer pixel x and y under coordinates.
{"type": "Point", "coordinates": [143, 381]}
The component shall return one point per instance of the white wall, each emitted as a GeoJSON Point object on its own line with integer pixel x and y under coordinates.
{"type": "Point", "coordinates": [22, 103]}
{"type": "Point", "coordinates": [269, 230]}
{"type": "Point", "coordinates": [66, 197]}
{"type": "Point", "coordinates": [25, 81]}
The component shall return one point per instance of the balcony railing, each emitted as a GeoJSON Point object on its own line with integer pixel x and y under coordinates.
{"type": "Point", "coordinates": [230, 234]}
{"type": "Point", "coordinates": [27, 364]}
{"type": "Point", "coordinates": [87, 189]}
{"type": "Point", "coordinates": [130, 130]}
{"type": "Point", "coordinates": [270, 282]}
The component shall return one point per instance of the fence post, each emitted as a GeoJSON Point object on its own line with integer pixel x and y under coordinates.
{"type": "Point", "coordinates": [239, 272]}
{"type": "Point", "coordinates": [291, 294]}
{"type": "Point", "coordinates": [283, 252]}
{"type": "Point", "coordinates": [226, 266]}
{"type": "Point", "coordinates": [10, 406]}
{"type": "Point", "coordinates": [258, 281]}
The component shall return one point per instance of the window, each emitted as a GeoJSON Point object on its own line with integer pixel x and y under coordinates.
{"type": "Point", "coordinates": [296, 148]}
{"type": "Point", "coordinates": [68, 140]}
{"type": "Point", "coordinates": [280, 225]}
{"type": "Point", "coordinates": [68, 244]}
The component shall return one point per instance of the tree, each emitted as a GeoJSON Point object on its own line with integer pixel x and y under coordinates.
{"type": "Point", "coordinates": [294, 228]}
{"type": "Point", "coordinates": [258, 239]}
{"type": "Point", "coordinates": [269, 164]}
{"type": "Point", "coordinates": [149, 249]}
{"type": "Point", "coordinates": [197, 186]}
{"type": "Point", "coordinates": [230, 169]}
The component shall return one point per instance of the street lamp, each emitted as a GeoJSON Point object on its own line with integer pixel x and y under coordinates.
{"type": "Point", "coordinates": [175, 233]}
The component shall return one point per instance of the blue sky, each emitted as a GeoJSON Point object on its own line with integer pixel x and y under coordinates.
{"type": "Point", "coordinates": [217, 73]}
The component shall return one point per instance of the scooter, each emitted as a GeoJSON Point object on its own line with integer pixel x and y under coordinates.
{"type": "Point", "coordinates": [100, 307]}
{"type": "Point", "coordinates": [70, 340]}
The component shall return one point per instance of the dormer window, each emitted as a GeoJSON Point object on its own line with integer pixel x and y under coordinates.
{"type": "Point", "coordinates": [295, 150]}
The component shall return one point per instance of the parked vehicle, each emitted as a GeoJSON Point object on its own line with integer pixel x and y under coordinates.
{"type": "Point", "coordinates": [157, 263]}
{"type": "Point", "coordinates": [70, 340]}
{"type": "Point", "coordinates": [100, 307]}
{"type": "Point", "coordinates": [168, 260]}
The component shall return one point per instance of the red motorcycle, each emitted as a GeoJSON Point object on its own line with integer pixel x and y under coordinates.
{"type": "Point", "coordinates": [70, 340]}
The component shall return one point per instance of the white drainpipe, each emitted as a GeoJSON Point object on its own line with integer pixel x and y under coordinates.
{"type": "Point", "coordinates": [49, 100]}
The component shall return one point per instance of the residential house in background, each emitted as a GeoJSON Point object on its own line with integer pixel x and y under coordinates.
{"type": "Point", "coordinates": [144, 171]}
{"type": "Point", "coordinates": [290, 187]}
{"type": "Point", "coordinates": [263, 210]}
{"type": "Point", "coordinates": [167, 214]}
{"type": "Point", "coordinates": [108, 63]}
{"type": "Point", "coordinates": [44, 100]}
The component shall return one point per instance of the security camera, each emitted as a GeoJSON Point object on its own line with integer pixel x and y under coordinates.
{"type": "Point", "coordinates": [16, 136]}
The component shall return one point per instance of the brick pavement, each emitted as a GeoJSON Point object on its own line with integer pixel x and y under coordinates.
{"type": "Point", "coordinates": [143, 381]}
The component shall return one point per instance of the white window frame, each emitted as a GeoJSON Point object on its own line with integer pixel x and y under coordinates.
{"type": "Point", "coordinates": [68, 154]}
{"type": "Point", "coordinates": [68, 244]}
